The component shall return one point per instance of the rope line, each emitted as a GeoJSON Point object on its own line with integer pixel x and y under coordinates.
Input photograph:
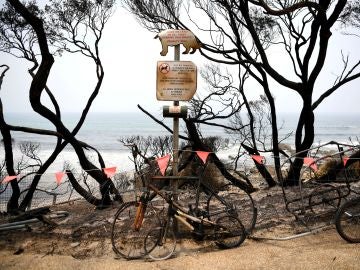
{"type": "Point", "coordinates": [133, 170]}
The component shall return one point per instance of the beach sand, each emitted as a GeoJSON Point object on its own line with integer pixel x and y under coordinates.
{"type": "Point", "coordinates": [325, 250]}
{"type": "Point", "coordinates": [82, 241]}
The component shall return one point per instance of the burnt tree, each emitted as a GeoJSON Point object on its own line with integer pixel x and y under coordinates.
{"type": "Point", "coordinates": [243, 33]}
{"type": "Point", "coordinates": [61, 31]}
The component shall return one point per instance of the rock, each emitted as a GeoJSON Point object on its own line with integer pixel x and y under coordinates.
{"type": "Point", "coordinates": [19, 251]}
{"type": "Point", "coordinates": [75, 244]}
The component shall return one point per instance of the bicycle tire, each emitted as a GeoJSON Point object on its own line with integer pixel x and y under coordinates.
{"type": "Point", "coordinates": [324, 198]}
{"type": "Point", "coordinates": [240, 204]}
{"type": "Point", "coordinates": [128, 241]}
{"type": "Point", "coordinates": [165, 242]}
{"type": "Point", "coordinates": [347, 221]}
{"type": "Point", "coordinates": [229, 232]}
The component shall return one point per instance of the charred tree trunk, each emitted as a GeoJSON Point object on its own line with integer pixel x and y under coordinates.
{"type": "Point", "coordinates": [306, 127]}
{"type": "Point", "coordinates": [274, 128]}
{"type": "Point", "coordinates": [84, 193]}
{"type": "Point", "coordinates": [60, 146]}
{"type": "Point", "coordinates": [13, 203]}
{"type": "Point", "coordinates": [37, 86]}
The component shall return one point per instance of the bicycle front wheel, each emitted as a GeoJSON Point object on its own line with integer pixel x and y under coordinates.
{"type": "Point", "coordinates": [165, 242]}
{"type": "Point", "coordinates": [347, 221]}
{"type": "Point", "coordinates": [130, 229]}
{"type": "Point", "coordinates": [238, 203]}
{"type": "Point", "coordinates": [229, 232]}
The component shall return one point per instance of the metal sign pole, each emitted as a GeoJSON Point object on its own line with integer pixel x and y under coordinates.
{"type": "Point", "coordinates": [174, 183]}
{"type": "Point", "coordinates": [176, 128]}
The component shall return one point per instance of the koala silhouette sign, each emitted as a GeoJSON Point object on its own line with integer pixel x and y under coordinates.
{"type": "Point", "coordinates": [173, 37]}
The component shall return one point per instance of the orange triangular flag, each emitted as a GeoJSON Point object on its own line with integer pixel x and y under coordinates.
{"type": "Point", "coordinates": [203, 155]}
{"type": "Point", "coordinates": [59, 176]}
{"type": "Point", "coordinates": [259, 159]}
{"type": "Point", "coordinates": [163, 162]}
{"type": "Point", "coordinates": [345, 160]}
{"type": "Point", "coordinates": [8, 178]}
{"type": "Point", "coordinates": [310, 162]}
{"type": "Point", "coordinates": [110, 172]}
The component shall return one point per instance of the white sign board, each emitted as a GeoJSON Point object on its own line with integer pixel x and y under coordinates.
{"type": "Point", "coordinates": [176, 80]}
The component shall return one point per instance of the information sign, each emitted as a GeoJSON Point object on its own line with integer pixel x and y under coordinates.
{"type": "Point", "coordinates": [176, 80]}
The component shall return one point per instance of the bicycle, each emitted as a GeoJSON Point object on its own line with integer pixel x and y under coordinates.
{"type": "Point", "coordinates": [135, 220]}
{"type": "Point", "coordinates": [227, 231]}
{"type": "Point", "coordinates": [347, 220]}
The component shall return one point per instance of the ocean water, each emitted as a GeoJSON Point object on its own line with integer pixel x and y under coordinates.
{"type": "Point", "coordinates": [103, 130]}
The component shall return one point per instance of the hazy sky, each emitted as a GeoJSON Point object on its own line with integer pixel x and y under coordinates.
{"type": "Point", "coordinates": [129, 55]}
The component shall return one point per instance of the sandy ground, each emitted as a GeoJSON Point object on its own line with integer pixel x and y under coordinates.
{"type": "Point", "coordinates": [325, 250]}
{"type": "Point", "coordinates": [82, 241]}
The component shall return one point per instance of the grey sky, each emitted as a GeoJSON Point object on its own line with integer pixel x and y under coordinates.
{"type": "Point", "coordinates": [129, 55]}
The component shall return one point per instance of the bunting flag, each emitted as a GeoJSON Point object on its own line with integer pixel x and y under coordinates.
{"type": "Point", "coordinates": [203, 155]}
{"type": "Point", "coordinates": [8, 178]}
{"type": "Point", "coordinates": [308, 161]}
{"type": "Point", "coordinates": [59, 176]}
{"type": "Point", "coordinates": [259, 159]}
{"type": "Point", "coordinates": [163, 162]}
{"type": "Point", "coordinates": [110, 172]}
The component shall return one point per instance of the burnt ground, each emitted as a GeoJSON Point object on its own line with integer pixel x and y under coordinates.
{"type": "Point", "coordinates": [84, 236]}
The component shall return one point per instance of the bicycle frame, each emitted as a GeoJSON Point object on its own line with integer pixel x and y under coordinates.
{"type": "Point", "coordinates": [176, 211]}
{"type": "Point", "coordinates": [201, 186]}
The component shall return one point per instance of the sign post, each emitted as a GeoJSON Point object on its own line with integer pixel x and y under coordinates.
{"type": "Point", "coordinates": [176, 81]}
{"type": "Point", "coordinates": [176, 129]}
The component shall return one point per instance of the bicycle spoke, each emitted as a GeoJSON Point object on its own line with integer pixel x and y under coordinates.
{"type": "Point", "coordinates": [127, 240]}
{"type": "Point", "coordinates": [164, 246]}
{"type": "Point", "coordinates": [238, 203]}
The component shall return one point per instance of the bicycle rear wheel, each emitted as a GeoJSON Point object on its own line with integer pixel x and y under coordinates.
{"type": "Point", "coordinates": [347, 221]}
{"type": "Point", "coordinates": [229, 232]}
{"type": "Point", "coordinates": [238, 203]}
{"type": "Point", "coordinates": [128, 232]}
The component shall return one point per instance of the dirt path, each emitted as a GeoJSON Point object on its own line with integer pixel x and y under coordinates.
{"type": "Point", "coordinates": [325, 250]}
